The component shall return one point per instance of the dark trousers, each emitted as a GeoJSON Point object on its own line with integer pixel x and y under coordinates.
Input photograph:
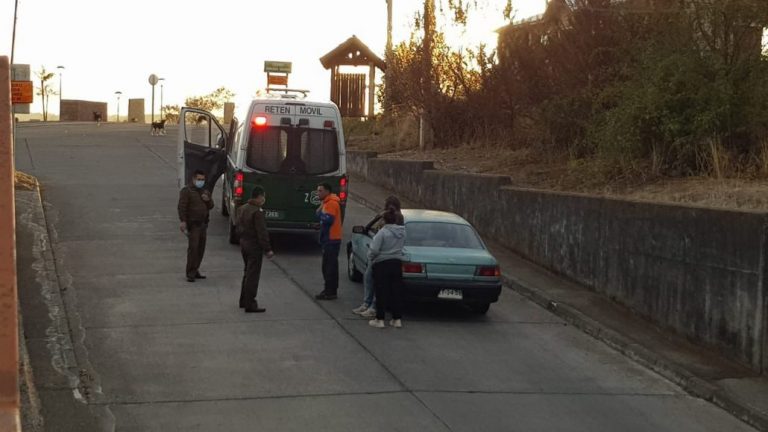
{"type": "Point", "coordinates": [331, 267]}
{"type": "Point", "coordinates": [388, 281]}
{"type": "Point", "coordinates": [196, 248]}
{"type": "Point", "coordinates": [252, 257]}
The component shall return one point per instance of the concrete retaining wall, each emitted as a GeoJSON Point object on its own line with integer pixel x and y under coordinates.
{"type": "Point", "coordinates": [697, 271]}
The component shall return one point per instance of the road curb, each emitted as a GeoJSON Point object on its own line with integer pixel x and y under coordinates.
{"type": "Point", "coordinates": [690, 383]}
{"type": "Point", "coordinates": [31, 407]}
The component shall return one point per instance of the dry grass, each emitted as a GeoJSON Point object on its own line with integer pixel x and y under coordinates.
{"type": "Point", "coordinates": [24, 181]}
{"type": "Point", "coordinates": [530, 169]}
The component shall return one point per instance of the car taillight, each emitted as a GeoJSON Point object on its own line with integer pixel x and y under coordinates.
{"type": "Point", "coordinates": [489, 271]}
{"type": "Point", "coordinates": [238, 184]}
{"type": "Point", "coordinates": [409, 267]}
{"type": "Point", "coordinates": [328, 124]}
{"type": "Point", "coordinates": [343, 183]}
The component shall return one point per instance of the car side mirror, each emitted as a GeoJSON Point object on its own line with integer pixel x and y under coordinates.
{"type": "Point", "coordinates": [358, 229]}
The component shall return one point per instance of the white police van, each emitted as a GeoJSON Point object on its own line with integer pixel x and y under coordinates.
{"type": "Point", "coordinates": [282, 142]}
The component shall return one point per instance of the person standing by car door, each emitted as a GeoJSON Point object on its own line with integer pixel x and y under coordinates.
{"type": "Point", "coordinates": [386, 256]}
{"type": "Point", "coordinates": [329, 213]}
{"type": "Point", "coordinates": [254, 244]}
{"type": "Point", "coordinates": [194, 205]}
{"type": "Point", "coordinates": [368, 308]}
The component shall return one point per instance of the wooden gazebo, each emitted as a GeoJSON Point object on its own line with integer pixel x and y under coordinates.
{"type": "Point", "coordinates": [348, 89]}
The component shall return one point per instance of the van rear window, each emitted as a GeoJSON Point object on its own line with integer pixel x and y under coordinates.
{"type": "Point", "coordinates": [293, 151]}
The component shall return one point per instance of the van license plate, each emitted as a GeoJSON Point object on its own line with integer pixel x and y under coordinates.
{"type": "Point", "coordinates": [272, 214]}
{"type": "Point", "coordinates": [450, 294]}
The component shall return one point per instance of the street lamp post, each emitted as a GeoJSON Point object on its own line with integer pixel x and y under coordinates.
{"type": "Point", "coordinates": [118, 93]}
{"type": "Point", "coordinates": [161, 97]}
{"type": "Point", "coordinates": [61, 69]}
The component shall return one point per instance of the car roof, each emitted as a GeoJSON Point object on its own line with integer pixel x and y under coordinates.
{"type": "Point", "coordinates": [422, 215]}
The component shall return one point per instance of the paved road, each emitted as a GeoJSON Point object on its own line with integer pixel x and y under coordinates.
{"type": "Point", "coordinates": [166, 355]}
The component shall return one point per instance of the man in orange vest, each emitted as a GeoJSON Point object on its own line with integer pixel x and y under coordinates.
{"type": "Point", "coordinates": [329, 213]}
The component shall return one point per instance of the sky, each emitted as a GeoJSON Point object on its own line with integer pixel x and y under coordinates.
{"type": "Point", "coordinates": [107, 46]}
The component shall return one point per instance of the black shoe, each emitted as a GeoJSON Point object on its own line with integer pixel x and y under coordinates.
{"type": "Point", "coordinates": [190, 279]}
{"type": "Point", "coordinates": [325, 296]}
{"type": "Point", "coordinates": [199, 276]}
{"type": "Point", "coordinates": [254, 309]}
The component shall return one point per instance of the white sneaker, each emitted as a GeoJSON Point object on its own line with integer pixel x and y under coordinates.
{"type": "Point", "coordinates": [396, 323]}
{"type": "Point", "coordinates": [368, 313]}
{"type": "Point", "coordinates": [360, 309]}
{"type": "Point", "coordinates": [376, 323]}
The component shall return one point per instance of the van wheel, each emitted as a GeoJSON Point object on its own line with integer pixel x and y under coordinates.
{"type": "Point", "coordinates": [352, 272]}
{"type": "Point", "coordinates": [224, 207]}
{"type": "Point", "coordinates": [233, 237]}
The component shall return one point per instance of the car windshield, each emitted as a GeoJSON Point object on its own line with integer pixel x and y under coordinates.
{"type": "Point", "coordinates": [293, 151]}
{"type": "Point", "coordinates": [440, 234]}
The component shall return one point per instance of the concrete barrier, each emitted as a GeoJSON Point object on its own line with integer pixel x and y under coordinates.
{"type": "Point", "coordinates": [698, 271]}
{"type": "Point", "coordinates": [9, 330]}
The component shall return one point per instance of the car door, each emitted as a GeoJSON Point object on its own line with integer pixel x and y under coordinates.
{"type": "Point", "coordinates": [231, 163]}
{"type": "Point", "coordinates": [361, 246]}
{"type": "Point", "coordinates": [201, 145]}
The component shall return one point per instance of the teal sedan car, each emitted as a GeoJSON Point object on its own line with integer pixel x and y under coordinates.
{"type": "Point", "coordinates": [446, 260]}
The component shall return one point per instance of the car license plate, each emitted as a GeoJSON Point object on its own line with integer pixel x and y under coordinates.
{"type": "Point", "coordinates": [450, 294]}
{"type": "Point", "coordinates": [272, 214]}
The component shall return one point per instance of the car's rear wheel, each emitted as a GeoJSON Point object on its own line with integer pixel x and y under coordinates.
{"type": "Point", "coordinates": [233, 237]}
{"type": "Point", "coordinates": [352, 271]}
{"type": "Point", "coordinates": [480, 308]}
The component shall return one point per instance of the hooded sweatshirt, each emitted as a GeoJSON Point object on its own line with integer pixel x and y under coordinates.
{"type": "Point", "coordinates": [387, 244]}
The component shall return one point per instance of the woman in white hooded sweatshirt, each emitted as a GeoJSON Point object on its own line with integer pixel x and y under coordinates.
{"type": "Point", "coordinates": [386, 257]}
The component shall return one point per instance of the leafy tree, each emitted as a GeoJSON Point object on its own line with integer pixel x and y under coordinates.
{"type": "Point", "coordinates": [172, 113]}
{"type": "Point", "coordinates": [213, 101]}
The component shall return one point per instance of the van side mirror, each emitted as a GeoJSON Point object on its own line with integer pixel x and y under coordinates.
{"type": "Point", "coordinates": [358, 229]}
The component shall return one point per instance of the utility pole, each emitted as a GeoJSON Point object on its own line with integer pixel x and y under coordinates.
{"type": "Point", "coordinates": [13, 38]}
{"type": "Point", "coordinates": [389, 27]}
{"type": "Point", "coordinates": [388, 57]}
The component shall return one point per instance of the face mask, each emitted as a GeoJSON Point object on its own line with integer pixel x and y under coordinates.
{"type": "Point", "coordinates": [199, 184]}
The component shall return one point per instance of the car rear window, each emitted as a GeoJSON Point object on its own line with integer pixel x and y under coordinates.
{"type": "Point", "coordinates": [293, 151]}
{"type": "Point", "coordinates": [440, 234]}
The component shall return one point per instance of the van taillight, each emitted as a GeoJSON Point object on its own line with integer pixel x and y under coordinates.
{"type": "Point", "coordinates": [489, 271]}
{"type": "Point", "coordinates": [329, 124]}
{"type": "Point", "coordinates": [409, 267]}
{"type": "Point", "coordinates": [238, 184]}
{"type": "Point", "coordinates": [343, 189]}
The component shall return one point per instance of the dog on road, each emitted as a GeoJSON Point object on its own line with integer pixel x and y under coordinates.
{"type": "Point", "coordinates": [158, 128]}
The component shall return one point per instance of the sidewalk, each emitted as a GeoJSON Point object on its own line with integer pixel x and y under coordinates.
{"type": "Point", "coordinates": [699, 371]}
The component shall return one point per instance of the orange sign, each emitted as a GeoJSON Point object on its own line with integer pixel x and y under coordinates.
{"type": "Point", "coordinates": [277, 80]}
{"type": "Point", "coordinates": [21, 92]}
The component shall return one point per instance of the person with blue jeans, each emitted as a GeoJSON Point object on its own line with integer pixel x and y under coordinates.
{"type": "Point", "coordinates": [368, 308]}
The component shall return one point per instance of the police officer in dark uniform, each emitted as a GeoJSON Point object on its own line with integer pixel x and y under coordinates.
{"type": "Point", "coordinates": [254, 244]}
{"type": "Point", "coordinates": [194, 205]}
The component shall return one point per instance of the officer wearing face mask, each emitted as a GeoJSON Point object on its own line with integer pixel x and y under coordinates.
{"type": "Point", "coordinates": [194, 204]}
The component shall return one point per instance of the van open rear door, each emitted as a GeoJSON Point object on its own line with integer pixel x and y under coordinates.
{"type": "Point", "coordinates": [201, 145]}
